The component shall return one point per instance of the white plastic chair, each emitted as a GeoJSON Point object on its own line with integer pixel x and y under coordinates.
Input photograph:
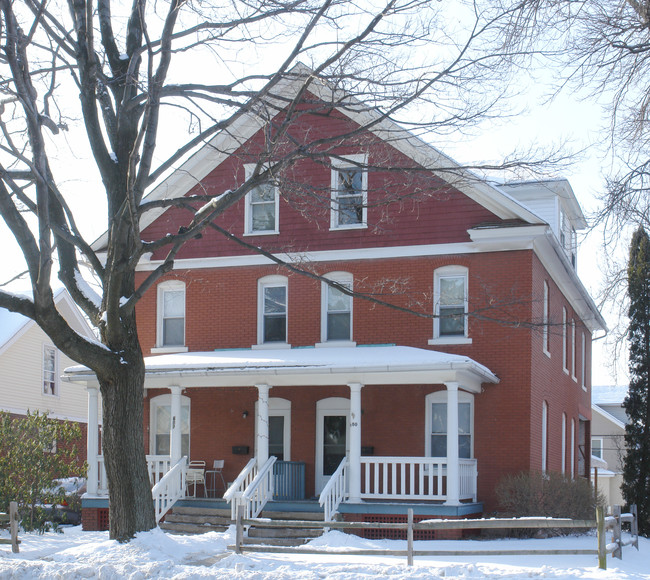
{"type": "Point", "coordinates": [195, 476]}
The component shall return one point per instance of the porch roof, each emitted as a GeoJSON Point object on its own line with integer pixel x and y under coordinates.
{"type": "Point", "coordinates": [368, 365]}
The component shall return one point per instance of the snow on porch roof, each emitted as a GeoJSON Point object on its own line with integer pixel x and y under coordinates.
{"type": "Point", "coordinates": [386, 365]}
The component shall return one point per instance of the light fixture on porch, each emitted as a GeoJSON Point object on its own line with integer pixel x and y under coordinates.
{"type": "Point", "coordinates": [244, 414]}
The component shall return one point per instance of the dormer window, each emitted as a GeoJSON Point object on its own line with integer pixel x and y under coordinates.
{"type": "Point", "coordinates": [349, 192]}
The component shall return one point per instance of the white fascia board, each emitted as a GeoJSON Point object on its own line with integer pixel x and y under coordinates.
{"type": "Point", "coordinates": [64, 296]}
{"type": "Point", "coordinates": [608, 416]}
{"type": "Point", "coordinates": [16, 335]}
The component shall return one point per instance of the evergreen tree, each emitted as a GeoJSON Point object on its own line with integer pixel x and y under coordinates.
{"type": "Point", "coordinates": [636, 471]}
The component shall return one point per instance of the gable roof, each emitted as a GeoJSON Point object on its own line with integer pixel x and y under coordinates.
{"type": "Point", "coordinates": [14, 325]}
{"type": "Point", "coordinates": [211, 154]}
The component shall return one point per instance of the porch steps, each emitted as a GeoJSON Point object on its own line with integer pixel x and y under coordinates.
{"type": "Point", "coordinates": [286, 536]}
{"type": "Point", "coordinates": [196, 520]}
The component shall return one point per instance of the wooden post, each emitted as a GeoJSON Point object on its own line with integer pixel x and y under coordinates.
{"type": "Point", "coordinates": [13, 526]}
{"type": "Point", "coordinates": [634, 526]}
{"type": "Point", "coordinates": [618, 551]}
{"type": "Point", "coordinates": [602, 542]}
{"type": "Point", "coordinates": [409, 539]}
{"type": "Point", "coordinates": [239, 528]}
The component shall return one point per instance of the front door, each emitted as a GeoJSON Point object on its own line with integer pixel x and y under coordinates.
{"type": "Point", "coordinates": [332, 419]}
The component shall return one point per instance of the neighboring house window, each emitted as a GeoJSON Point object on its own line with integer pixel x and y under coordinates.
{"type": "Point", "coordinates": [171, 314]}
{"type": "Point", "coordinates": [436, 422]}
{"type": "Point", "coordinates": [262, 208]}
{"type": "Point", "coordinates": [50, 383]}
{"type": "Point", "coordinates": [544, 436]}
{"type": "Point", "coordinates": [564, 342]}
{"type": "Point", "coordinates": [336, 311]}
{"type": "Point", "coordinates": [272, 310]}
{"type": "Point", "coordinates": [349, 192]}
{"type": "Point", "coordinates": [563, 443]}
{"type": "Point", "coordinates": [161, 425]}
{"type": "Point", "coordinates": [583, 363]}
{"type": "Point", "coordinates": [450, 305]}
{"type": "Point", "coordinates": [573, 350]}
{"type": "Point", "coordinates": [597, 447]}
{"type": "Point", "coordinates": [572, 449]}
{"type": "Point", "coordinates": [545, 333]}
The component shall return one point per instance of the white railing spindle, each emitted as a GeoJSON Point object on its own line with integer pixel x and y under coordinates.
{"type": "Point", "coordinates": [336, 490]}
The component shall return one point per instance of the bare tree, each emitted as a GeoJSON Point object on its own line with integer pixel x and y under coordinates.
{"type": "Point", "coordinates": [122, 73]}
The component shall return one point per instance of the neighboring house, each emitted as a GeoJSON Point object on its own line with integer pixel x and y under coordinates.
{"type": "Point", "coordinates": [246, 360]}
{"type": "Point", "coordinates": [30, 368]}
{"type": "Point", "coordinates": [608, 441]}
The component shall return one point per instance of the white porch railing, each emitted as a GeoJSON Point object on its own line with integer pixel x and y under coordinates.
{"type": "Point", "coordinates": [335, 491]}
{"type": "Point", "coordinates": [169, 489]}
{"type": "Point", "coordinates": [419, 478]}
{"type": "Point", "coordinates": [237, 487]}
{"type": "Point", "coordinates": [259, 491]}
{"type": "Point", "coordinates": [157, 467]}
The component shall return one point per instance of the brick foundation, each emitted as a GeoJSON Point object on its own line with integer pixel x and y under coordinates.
{"type": "Point", "coordinates": [94, 519]}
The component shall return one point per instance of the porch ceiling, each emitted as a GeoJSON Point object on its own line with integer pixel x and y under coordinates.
{"type": "Point", "coordinates": [368, 365]}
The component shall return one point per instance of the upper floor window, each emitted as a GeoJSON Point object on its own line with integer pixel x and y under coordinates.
{"type": "Point", "coordinates": [573, 350]}
{"type": "Point", "coordinates": [272, 310]}
{"type": "Point", "coordinates": [544, 436]}
{"type": "Point", "coordinates": [336, 314]}
{"type": "Point", "coordinates": [545, 333]}
{"type": "Point", "coordinates": [597, 447]}
{"type": "Point", "coordinates": [450, 305]}
{"type": "Point", "coordinates": [436, 421]}
{"type": "Point", "coordinates": [583, 363]}
{"type": "Point", "coordinates": [349, 192]}
{"type": "Point", "coordinates": [261, 207]}
{"type": "Point", "coordinates": [50, 383]}
{"type": "Point", "coordinates": [565, 364]}
{"type": "Point", "coordinates": [171, 315]}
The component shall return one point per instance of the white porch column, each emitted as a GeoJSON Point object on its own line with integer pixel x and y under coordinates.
{"type": "Point", "coordinates": [354, 470]}
{"type": "Point", "coordinates": [453, 491]}
{"type": "Point", "coordinates": [176, 425]}
{"type": "Point", "coordinates": [262, 425]}
{"type": "Point", "coordinates": [92, 441]}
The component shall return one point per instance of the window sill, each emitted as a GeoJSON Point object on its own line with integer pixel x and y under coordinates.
{"type": "Point", "coordinates": [51, 395]}
{"type": "Point", "coordinates": [336, 343]}
{"type": "Point", "coordinates": [168, 349]}
{"type": "Point", "coordinates": [264, 233]}
{"type": "Point", "coordinates": [450, 340]}
{"type": "Point", "coordinates": [271, 345]}
{"type": "Point", "coordinates": [349, 227]}
{"type": "Point", "coordinates": [546, 352]}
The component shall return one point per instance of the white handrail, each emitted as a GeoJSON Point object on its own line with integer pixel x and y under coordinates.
{"type": "Point", "coordinates": [169, 489]}
{"type": "Point", "coordinates": [259, 491]}
{"type": "Point", "coordinates": [335, 491]}
{"type": "Point", "coordinates": [237, 487]}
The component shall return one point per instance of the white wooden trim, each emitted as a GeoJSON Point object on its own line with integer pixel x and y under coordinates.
{"type": "Point", "coordinates": [169, 286]}
{"type": "Point", "coordinates": [324, 408]}
{"type": "Point", "coordinates": [441, 397]}
{"type": "Point", "coordinates": [342, 278]}
{"type": "Point", "coordinates": [273, 281]}
{"type": "Point", "coordinates": [248, 230]}
{"type": "Point", "coordinates": [360, 162]}
{"type": "Point", "coordinates": [166, 400]}
{"type": "Point", "coordinates": [279, 407]}
{"type": "Point", "coordinates": [452, 271]}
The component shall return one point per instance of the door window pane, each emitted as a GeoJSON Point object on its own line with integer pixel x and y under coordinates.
{"type": "Point", "coordinates": [276, 437]}
{"type": "Point", "coordinates": [334, 440]}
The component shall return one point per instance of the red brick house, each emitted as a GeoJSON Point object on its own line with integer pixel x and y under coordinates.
{"type": "Point", "coordinates": [482, 329]}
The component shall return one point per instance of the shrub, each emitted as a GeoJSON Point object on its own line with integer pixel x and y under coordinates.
{"type": "Point", "coordinates": [534, 494]}
{"type": "Point", "coordinates": [35, 451]}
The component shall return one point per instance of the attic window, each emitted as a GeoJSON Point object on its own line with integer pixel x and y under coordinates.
{"type": "Point", "coordinates": [262, 207]}
{"type": "Point", "coordinates": [50, 386]}
{"type": "Point", "coordinates": [349, 192]}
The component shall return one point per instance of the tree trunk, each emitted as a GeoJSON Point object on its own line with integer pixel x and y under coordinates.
{"type": "Point", "coordinates": [131, 506]}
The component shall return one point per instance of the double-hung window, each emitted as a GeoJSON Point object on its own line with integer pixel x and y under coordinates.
{"type": "Point", "coordinates": [50, 383]}
{"type": "Point", "coordinates": [336, 326]}
{"type": "Point", "coordinates": [272, 310]}
{"type": "Point", "coordinates": [450, 306]}
{"type": "Point", "coordinates": [171, 316]}
{"type": "Point", "coordinates": [436, 421]}
{"type": "Point", "coordinates": [349, 192]}
{"type": "Point", "coordinates": [261, 207]}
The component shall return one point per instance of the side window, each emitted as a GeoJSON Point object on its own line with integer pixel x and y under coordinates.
{"type": "Point", "coordinates": [349, 192]}
{"type": "Point", "coordinates": [272, 310]}
{"type": "Point", "coordinates": [336, 309]}
{"type": "Point", "coordinates": [161, 417]}
{"type": "Point", "coordinates": [544, 436]}
{"type": "Point", "coordinates": [450, 305]}
{"type": "Point", "coordinates": [50, 382]}
{"type": "Point", "coordinates": [261, 208]}
{"type": "Point", "coordinates": [545, 321]}
{"type": "Point", "coordinates": [171, 315]}
{"type": "Point", "coordinates": [597, 447]}
{"type": "Point", "coordinates": [436, 425]}
{"type": "Point", "coordinates": [565, 362]}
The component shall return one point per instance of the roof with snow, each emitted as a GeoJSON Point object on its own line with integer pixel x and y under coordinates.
{"type": "Point", "coordinates": [609, 394]}
{"type": "Point", "coordinates": [373, 364]}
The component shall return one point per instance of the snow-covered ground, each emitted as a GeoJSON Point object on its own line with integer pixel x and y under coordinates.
{"type": "Point", "coordinates": [76, 554]}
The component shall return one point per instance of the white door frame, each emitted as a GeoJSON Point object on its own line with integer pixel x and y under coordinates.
{"type": "Point", "coordinates": [337, 406]}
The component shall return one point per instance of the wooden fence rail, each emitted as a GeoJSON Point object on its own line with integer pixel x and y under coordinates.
{"type": "Point", "coordinates": [474, 524]}
{"type": "Point", "coordinates": [12, 519]}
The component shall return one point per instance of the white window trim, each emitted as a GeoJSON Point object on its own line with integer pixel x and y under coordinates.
{"type": "Point", "coordinates": [444, 272]}
{"type": "Point", "coordinates": [601, 446]}
{"type": "Point", "coordinates": [165, 401]}
{"type": "Point", "coordinates": [342, 278]}
{"type": "Point", "coordinates": [169, 285]}
{"type": "Point", "coordinates": [544, 436]}
{"type": "Point", "coordinates": [564, 425]}
{"type": "Point", "coordinates": [573, 350]}
{"type": "Point", "coordinates": [266, 282]}
{"type": "Point", "coordinates": [564, 341]}
{"type": "Point", "coordinates": [359, 161]}
{"type": "Point", "coordinates": [441, 397]}
{"type": "Point", "coordinates": [279, 407]}
{"type": "Point", "coordinates": [51, 349]}
{"type": "Point", "coordinates": [248, 229]}
{"type": "Point", "coordinates": [572, 458]}
{"type": "Point", "coordinates": [545, 332]}
{"type": "Point", "coordinates": [583, 363]}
